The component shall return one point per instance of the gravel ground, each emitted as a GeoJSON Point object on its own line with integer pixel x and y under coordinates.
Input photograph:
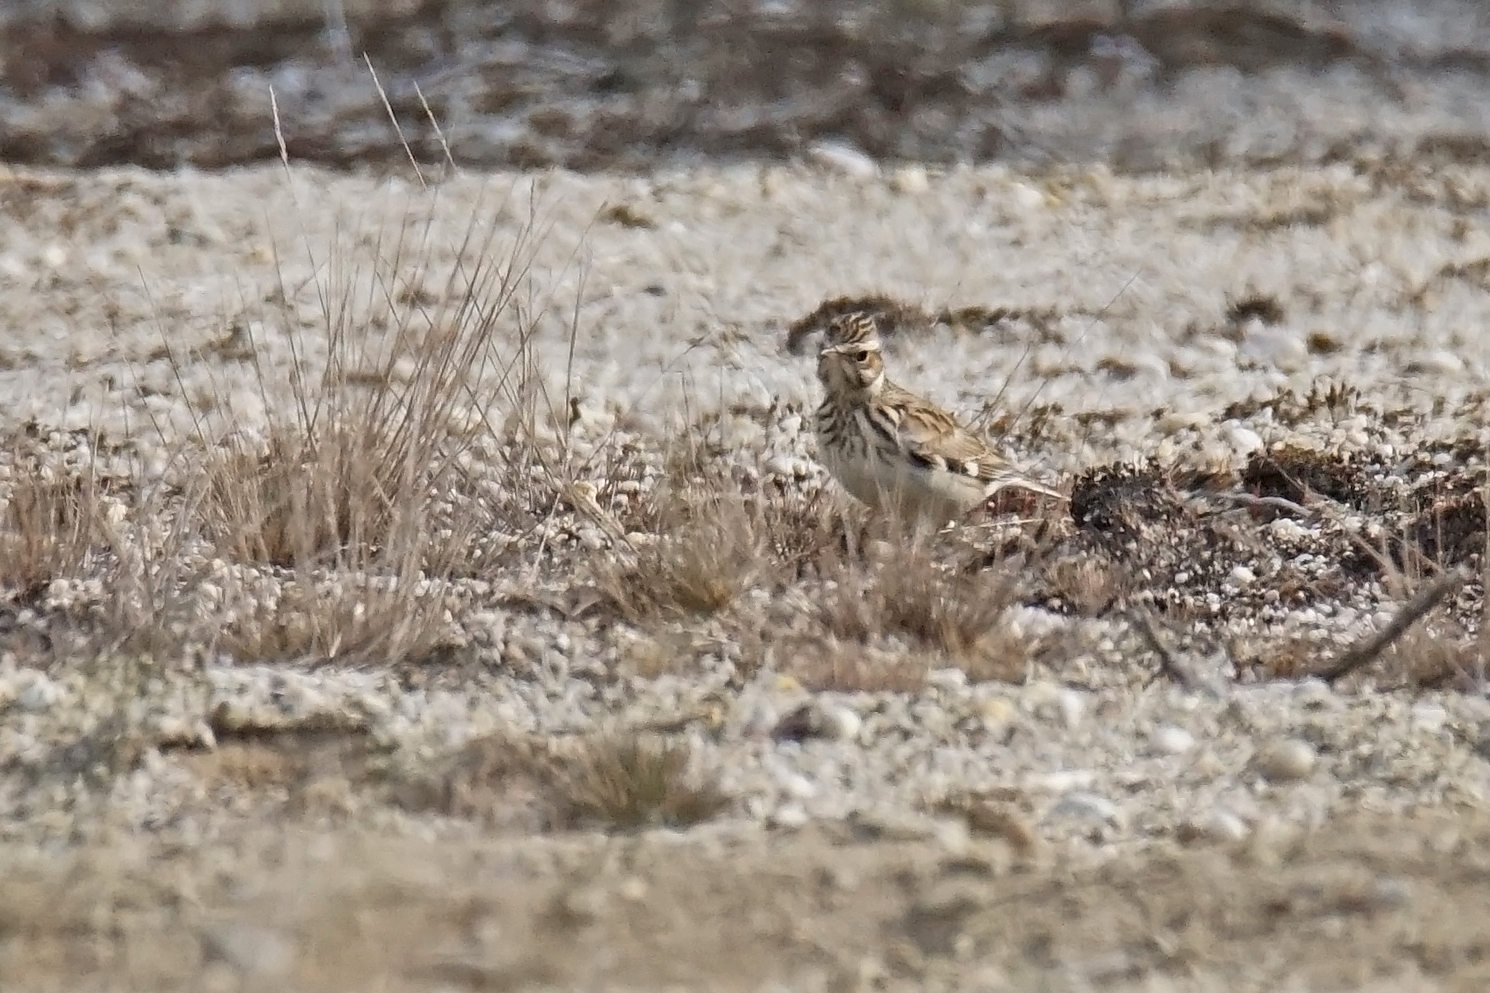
{"type": "Point", "coordinates": [589, 85]}
{"type": "Point", "coordinates": [1044, 809]}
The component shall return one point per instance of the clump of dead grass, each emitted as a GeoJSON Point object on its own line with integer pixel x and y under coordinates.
{"type": "Point", "coordinates": [1086, 584]}
{"type": "Point", "coordinates": [960, 617]}
{"type": "Point", "coordinates": [348, 468]}
{"type": "Point", "coordinates": [46, 529]}
{"type": "Point", "coordinates": [313, 623]}
{"type": "Point", "coordinates": [380, 442]}
{"type": "Point", "coordinates": [828, 663]}
{"type": "Point", "coordinates": [51, 516]}
{"type": "Point", "coordinates": [1437, 655]}
{"type": "Point", "coordinates": [631, 781]}
{"type": "Point", "coordinates": [697, 565]}
{"type": "Point", "coordinates": [624, 781]}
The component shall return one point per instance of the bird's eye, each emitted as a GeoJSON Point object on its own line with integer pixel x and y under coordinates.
{"type": "Point", "coordinates": [862, 355]}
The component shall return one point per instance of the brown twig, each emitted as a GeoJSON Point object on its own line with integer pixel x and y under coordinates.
{"type": "Point", "coordinates": [1251, 502]}
{"type": "Point", "coordinates": [1365, 650]}
{"type": "Point", "coordinates": [1169, 665]}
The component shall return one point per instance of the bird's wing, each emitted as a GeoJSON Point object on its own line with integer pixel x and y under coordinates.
{"type": "Point", "coordinates": [933, 438]}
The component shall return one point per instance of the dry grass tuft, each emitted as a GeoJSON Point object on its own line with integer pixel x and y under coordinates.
{"type": "Point", "coordinates": [623, 782]}
{"type": "Point", "coordinates": [386, 418]}
{"type": "Point", "coordinates": [909, 594]}
{"type": "Point", "coordinates": [697, 566]}
{"type": "Point", "coordinates": [633, 781]}
{"type": "Point", "coordinates": [47, 525]}
{"type": "Point", "coordinates": [1436, 655]}
{"type": "Point", "coordinates": [1086, 584]}
{"type": "Point", "coordinates": [397, 619]}
{"type": "Point", "coordinates": [301, 500]}
{"type": "Point", "coordinates": [356, 452]}
{"type": "Point", "coordinates": [850, 667]}
{"type": "Point", "coordinates": [1295, 656]}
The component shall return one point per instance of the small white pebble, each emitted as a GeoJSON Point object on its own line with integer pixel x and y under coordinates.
{"type": "Point", "coordinates": [1429, 716]}
{"type": "Point", "coordinates": [1215, 825]}
{"type": "Point", "coordinates": [950, 678]}
{"type": "Point", "coordinates": [1285, 761]}
{"type": "Point", "coordinates": [798, 786]}
{"type": "Point", "coordinates": [252, 951]}
{"type": "Point", "coordinates": [1244, 441]}
{"type": "Point", "coordinates": [1170, 740]}
{"type": "Point", "coordinates": [1242, 576]}
{"type": "Point", "coordinates": [1089, 807]}
{"type": "Point", "coordinates": [1026, 196]}
{"type": "Point", "coordinates": [38, 694]}
{"type": "Point", "coordinates": [788, 816]}
{"type": "Point", "coordinates": [843, 158]}
{"type": "Point", "coordinates": [1286, 528]}
{"type": "Point", "coordinates": [1439, 361]}
{"type": "Point", "coordinates": [841, 723]}
{"type": "Point", "coordinates": [1172, 422]}
{"type": "Point", "coordinates": [910, 180]}
{"type": "Point", "coordinates": [1072, 706]}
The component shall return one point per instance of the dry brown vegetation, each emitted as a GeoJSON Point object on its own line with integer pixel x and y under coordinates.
{"type": "Point", "coordinates": [698, 564]}
{"type": "Point", "coordinates": [46, 528]}
{"type": "Point", "coordinates": [619, 781]}
{"type": "Point", "coordinates": [909, 594]}
{"type": "Point", "coordinates": [355, 491]}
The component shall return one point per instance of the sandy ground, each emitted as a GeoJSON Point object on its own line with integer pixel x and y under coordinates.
{"type": "Point", "coordinates": [1377, 271]}
{"type": "Point", "coordinates": [1362, 904]}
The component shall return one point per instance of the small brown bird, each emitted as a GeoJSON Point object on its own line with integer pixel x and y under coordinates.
{"type": "Point", "coordinates": [894, 450]}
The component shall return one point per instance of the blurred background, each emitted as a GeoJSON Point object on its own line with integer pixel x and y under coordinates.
{"type": "Point", "coordinates": [637, 84]}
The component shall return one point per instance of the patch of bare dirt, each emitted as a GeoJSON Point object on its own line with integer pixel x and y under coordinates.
{"type": "Point", "coordinates": [1363, 904]}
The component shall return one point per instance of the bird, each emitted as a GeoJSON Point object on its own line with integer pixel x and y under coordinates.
{"type": "Point", "coordinates": [894, 450]}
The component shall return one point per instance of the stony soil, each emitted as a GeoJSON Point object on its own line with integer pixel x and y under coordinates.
{"type": "Point", "coordinates": [1265, 390]}
{"type": "Point", "coordinates": [587, 85]}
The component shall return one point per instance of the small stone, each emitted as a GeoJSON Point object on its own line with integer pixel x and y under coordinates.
{"type": "Point", "coordinates": [1027, 197]}
{"type": "Point", "coordinates": [989, 819]}
{"type": "Point", "coordinates": [1072, 706]}
{"type": "Point", "coordinates": [789, 817]}
{"type": "Point", "coordinates": [1089, 807]}
{"type": "Point", "coordinates": [798, 786]}
{"type": "Point", "coordinates": [893, 824]}
{"type": "Point", "coordinates": [841, 723]}
{"type": "Point", "coordinates": [40, 693]}
{"type": "Point", "coordinates": [1285, 761]}
{"type": "Point", "coordinates": [1170, 740]}
{"type": "Point", "coordinates": [834, 722]}
{"type": "Point", "coordinates": [1287, 529]}
{"type": "Point", "coordinates": [584, 904]}
{"type": "Point", "coordinates": [910, 180]}
{"type": "Point", "coordinates": [1172, 422]}
{"type": "Point", "coordinates": [950, 678]}
{"type": "Point", "coordinates": [1437, 361]}
{"type": "Point", "coordinates": [995, 711]}
{"type": "Point", "coordinates": [1244, 441]}
{"type": "Point", "coordinates": [1429, 716]}
{"type": "Point", "coordinates": [843, 158]}
{"type": "Point", "coordinates": [1242, 576]}
{"type": "Point", "coordinates": [1061, 780]}
{"type": "Point", "coordinates": [1215, 825]}
{"type": "Point", "coordinates": [633, 889]}
{"type": "Point", "coordinates": [252, 951]}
